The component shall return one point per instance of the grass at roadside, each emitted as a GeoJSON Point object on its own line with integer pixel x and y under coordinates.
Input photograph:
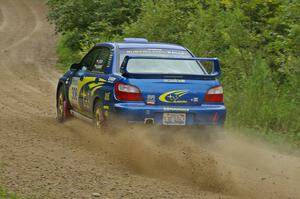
{"type": "Point", "coordinates": [283, 142]}
{"type": "Point", "coordinates": [5, 194]}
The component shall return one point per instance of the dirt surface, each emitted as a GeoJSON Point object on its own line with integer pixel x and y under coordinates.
{"type": "Point", "coordinates": [43, 159]}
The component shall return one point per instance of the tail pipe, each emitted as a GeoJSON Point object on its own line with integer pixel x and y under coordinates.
{"type": "Point", "coordinates": [149, 121]}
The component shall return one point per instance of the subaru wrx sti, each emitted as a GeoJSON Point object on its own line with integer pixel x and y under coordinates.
{"type": "Point", "coordinates": [142, 82]}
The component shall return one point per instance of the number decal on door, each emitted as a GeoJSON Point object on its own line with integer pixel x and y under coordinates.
{"type": "Point", "coordinates": [74, 93]}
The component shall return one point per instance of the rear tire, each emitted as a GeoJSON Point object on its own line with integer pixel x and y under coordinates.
{"type": "Point", "coordinates": [60, 106]}
{"type": "Point", "coordinates": [99, 117]}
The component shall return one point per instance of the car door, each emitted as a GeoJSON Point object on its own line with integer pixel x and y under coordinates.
{"type": "Point", "coordinates": [78, 92]}
{"type": "Point", "coordinates": [100, 71]}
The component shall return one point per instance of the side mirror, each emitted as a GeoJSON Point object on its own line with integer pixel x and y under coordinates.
{"type": "Point", "coordinates": [75, 66]}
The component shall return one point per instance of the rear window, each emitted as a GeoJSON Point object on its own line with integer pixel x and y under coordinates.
{"type": "Point", "coordinates": [145, 66]}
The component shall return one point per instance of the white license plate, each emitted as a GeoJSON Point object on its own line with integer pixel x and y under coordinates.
{"type": "Point", "coordinates": [174, 119]}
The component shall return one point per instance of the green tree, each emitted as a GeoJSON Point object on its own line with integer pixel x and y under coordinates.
{"type": "Point", "coordinates": [258, 43]}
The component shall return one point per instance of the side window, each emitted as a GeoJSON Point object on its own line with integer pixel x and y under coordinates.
{"type": "Point", "coordinates": [89, 60]}
{"type": "Point", "coordinates": [103, 60]}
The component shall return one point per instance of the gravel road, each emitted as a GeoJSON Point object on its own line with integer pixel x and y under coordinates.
{"type": "Point", "coordinates": [40, 158]}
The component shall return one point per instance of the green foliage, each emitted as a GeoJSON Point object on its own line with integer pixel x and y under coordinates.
{"type": "Point", "coordinates": [164, 21]}
{"type": "Point", "coordinates": [93, 19]}
{"type": "Point", "coordinates": [67, 51]}
{"type": "Point", "coordinates": [258, 43]}
{"type": "Point", "coordinates": [254, 103]}
{"type": "Point", "coordinates": [5, 194]}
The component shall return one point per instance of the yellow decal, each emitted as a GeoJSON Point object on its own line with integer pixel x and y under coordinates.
{"type": "Point", "coordinates": [107, 96]}
{"type": "Point", "coordinates": [92, 86]}
{"type": "Point", "coordinates": [106, 107]}
{"type": "Point", "coordinates": [83, 93]}
{"type": "Point", "coordinates": [173, 96]}
{"type": "Point", "coordinates": [100, 82]}
{"type": "Point", "coordinates": [96, 88]}
{"type": "Point", "coordinates": [83, 82]}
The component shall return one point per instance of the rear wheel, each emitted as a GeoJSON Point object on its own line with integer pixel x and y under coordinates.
{"type": "Point", "coordinates": [60, 105]}
{"type": "Point", "coordinates": [99, 117]}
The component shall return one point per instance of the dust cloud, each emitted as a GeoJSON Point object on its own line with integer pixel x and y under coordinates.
{"type": "Point", "coordinates": [231, 165]}
{"type": "Point", "coordinates": [168, 154]}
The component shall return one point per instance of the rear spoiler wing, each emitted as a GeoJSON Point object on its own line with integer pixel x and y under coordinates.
{"type": "Point", "coordinates": [216, 70]}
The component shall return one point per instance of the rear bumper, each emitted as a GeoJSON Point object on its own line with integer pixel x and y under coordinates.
{"type": "Point", "coordinates": [195, 115]}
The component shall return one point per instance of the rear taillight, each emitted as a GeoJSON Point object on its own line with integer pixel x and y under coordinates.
{"type": "Point", "coordinates": [125, 92]}
{"type": "Point", "coordinates": [214, 95]}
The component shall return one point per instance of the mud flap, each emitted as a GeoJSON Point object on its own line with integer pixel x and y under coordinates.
{"type": "Point", "coordinates": [67, 113]}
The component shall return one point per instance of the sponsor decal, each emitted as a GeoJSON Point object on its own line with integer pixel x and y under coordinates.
{"type": "Point", "coordinates": [176, 109]}
{"type": "Point", "coordinates": [174, 96]}
{"type": "Point", "coordinates": [174, 80]}
{"type": "Point", "coordinates": [111, 79]}
{"type": "Point", "coordinates": [195, 99]}
{"type": "Point", "coordinates": [74, 93]}
{"type": "Point", "coordinates": [150, 51]}
{"type": "Point", "coordinates": [110, 58]}
{"type": "Point", "coordinates": [151, 99]}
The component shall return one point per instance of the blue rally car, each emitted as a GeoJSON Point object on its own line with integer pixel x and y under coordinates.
{"type": "Point", "coordinates": [142, 82]}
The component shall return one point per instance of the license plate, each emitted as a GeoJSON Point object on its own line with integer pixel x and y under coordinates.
{"type": "Point", "coordinates": [174, 118]}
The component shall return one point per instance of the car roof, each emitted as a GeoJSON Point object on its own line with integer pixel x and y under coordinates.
{"type": "Point", "coordinates": [150, 45]}
{"type": "Point", "coordinates": [125, 45]}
